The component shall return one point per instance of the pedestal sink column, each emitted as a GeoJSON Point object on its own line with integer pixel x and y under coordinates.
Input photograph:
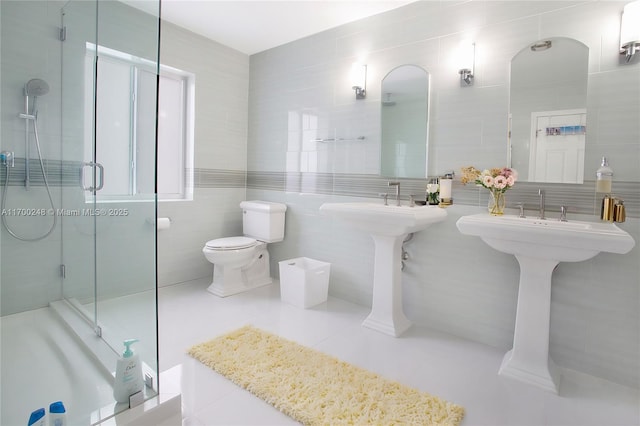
{"type": "Point", "coordinates": [529, 360]}
{"type": "Point", "coordinates": [386, 314]}
{"type": "Point", "coordinates": [388, 226]}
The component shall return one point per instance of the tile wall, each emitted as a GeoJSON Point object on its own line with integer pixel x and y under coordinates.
{"type": "Point", "coordinates": [220, 154]}
{"type": "Point", "coordinates": [29, 50]}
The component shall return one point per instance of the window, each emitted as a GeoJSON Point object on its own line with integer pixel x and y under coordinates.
{"type": "Point", "coordinates": [125, 127]}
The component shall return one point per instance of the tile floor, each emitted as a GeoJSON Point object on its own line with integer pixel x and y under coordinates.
{"type": "Point", "coordinates": [460, 371]}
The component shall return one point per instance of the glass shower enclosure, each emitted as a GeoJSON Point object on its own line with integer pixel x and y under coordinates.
{"type": "Point", "coordinates": [78, 85]}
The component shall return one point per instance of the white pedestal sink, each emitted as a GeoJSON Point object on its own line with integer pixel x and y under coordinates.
{"type": "Point", "coordinates": [388, 225]}
{"type": "Point", "coordinates": [539, 245]}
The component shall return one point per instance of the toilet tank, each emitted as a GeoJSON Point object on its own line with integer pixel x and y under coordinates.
{"type": "Point", "coordinates": [263, 220]}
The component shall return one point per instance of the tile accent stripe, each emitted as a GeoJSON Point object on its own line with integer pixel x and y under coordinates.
{"type": "Point", "coordinates": [578, 198]}
{"type": "Point", "coordinates": [59, 173]}
{"type": "Point", "coordinates": [67, 173]}
{"type": "Point", "coordinates": [214, 178]}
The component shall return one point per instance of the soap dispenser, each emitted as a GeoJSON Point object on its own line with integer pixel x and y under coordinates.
{"type": "Point", "coordinates": [604, 177]}
{"type": "Point", "coordinates": [128, 374]}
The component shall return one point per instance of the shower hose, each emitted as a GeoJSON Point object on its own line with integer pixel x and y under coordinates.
{"type": "Point", "coordinates": [46, 183]}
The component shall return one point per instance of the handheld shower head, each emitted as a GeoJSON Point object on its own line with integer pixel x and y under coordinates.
{"type": "Point", "coordinates": [36, 87]}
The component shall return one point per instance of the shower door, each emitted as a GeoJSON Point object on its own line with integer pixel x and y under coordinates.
{"type": "Point", "coordinates": [109, 67]}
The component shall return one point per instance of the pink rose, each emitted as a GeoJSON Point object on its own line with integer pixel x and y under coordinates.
{"type": "Point", "coordinates": [500, 182]}
{"type": "Point", "coordinates": [487, 181]}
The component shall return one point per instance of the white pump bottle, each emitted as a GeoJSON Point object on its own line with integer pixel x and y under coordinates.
{"type": "Point", "coordinates": [128, 374]}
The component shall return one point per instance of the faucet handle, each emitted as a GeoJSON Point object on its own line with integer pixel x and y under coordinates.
{"type": "Point", "coordinates": [385, 197]}
{"type": "Point", "coordinates": [563, 213]}
{"type": "Point", "coordinates": [521, 207]}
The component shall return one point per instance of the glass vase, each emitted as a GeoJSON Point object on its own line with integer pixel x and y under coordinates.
{"type": "Point", "coordinates": [497, 202]}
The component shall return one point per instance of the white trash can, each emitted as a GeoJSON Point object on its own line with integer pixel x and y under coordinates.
{"type": "Point", "coordinates": [304, 282]}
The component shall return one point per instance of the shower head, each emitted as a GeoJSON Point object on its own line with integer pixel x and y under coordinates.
{"type": "Point", "coordinates": [36, 87]}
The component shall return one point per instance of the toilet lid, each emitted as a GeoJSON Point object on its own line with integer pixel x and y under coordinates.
{"type": "Point", "coordinates": [231, 243]}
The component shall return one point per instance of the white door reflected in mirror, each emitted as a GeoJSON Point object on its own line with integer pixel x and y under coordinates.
{"type": "Point", "coordinates": [557, 146]}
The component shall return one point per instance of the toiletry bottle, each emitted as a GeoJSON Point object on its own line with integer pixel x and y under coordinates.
{"type": "Point", "coordinates": [37, 418]}
{"type": "Point", "coordinates": [604, 177]}
{"type": "Point", "coordinates": [128, 374]}
{"type": "Point", "coordinates": [608, 208]}
{"type": "Point", "coordinates": [619, 213]}
{"type": "Point", "coordinates": [446, 182]}
{"type": "Point", "coordinates": [57, 414]}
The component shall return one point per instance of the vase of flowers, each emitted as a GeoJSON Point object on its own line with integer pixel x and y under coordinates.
{"type": "Point", "coordinates": [497, 202]}
{"type": "Point", "coordinates": [497, 181]}
{"type": "Point", "coordinates": [433, 192]}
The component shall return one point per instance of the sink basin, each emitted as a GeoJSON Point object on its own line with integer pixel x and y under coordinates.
{"type": "Point", "coordinates": [571, 241]}
{"type": "Point", "coordinates": [387, 225]}
{"type": "Point", "coordinates": [539, 245]}
{"type": "Point", "coordinates": [549, 223]}
{"type": "Point", "coordinates": [385, 220]}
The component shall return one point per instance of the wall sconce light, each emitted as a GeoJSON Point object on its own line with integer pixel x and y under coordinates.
{"type": "Point", "coordinates": [359, 79]}
{"type": "Point", "coordinates": [467, 62]}
{"type": "Point", "coordinates": [630, 30]}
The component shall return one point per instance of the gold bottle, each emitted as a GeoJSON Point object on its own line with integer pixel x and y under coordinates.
{"type": "Point", "coordinates": [607, 210]}
{"type": "Point", "coordinates": [619, 213]}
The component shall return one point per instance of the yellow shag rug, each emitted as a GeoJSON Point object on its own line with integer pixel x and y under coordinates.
{"type": "Point", "coordinates": [317, 389]}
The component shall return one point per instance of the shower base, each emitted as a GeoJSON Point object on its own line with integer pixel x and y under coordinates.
{"type": "Point", "coordinates": [51, 354]}
{"type": "Point", "coordinates": [41, 359]}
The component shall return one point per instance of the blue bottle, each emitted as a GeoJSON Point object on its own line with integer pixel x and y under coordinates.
{"type": "Point", "coordinates": [57, 414]}
{"type": "Point", "coordinates": [37, 418]}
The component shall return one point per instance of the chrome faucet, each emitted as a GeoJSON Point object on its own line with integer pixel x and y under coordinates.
{"type": "Point", "coordinates": [563, 213]}
{"type": "Point", "coordinates": [541, 195]}
{"type": "Point", "coordinates": [397, 185]}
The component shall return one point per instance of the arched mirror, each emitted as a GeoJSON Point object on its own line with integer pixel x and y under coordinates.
{"type": "Point", "coordinates": [404, 121]}
{"type": "Point", "coordinates": [548, 110]}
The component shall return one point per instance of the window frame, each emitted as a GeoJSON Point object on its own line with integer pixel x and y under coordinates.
{"type": "Point", "coordinates": [186, 144]}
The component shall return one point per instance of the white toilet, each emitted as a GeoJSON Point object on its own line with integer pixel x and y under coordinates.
{"type": "Point", "coordinates": [242, 263]}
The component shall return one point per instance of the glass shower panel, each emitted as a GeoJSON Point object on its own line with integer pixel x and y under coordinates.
{"type": "Point", "coordinates": [109, 247]}
{"type": "Point", "coordinates": [78, 94]}
{"type": "Point", "coordinates": [125, 234]}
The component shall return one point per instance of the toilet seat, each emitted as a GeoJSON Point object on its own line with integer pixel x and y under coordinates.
{"type": "Point", "coordinates": [231, 243]}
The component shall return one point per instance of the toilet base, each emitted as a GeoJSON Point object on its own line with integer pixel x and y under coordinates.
{"type": "Point", "coordinates": [229, 281]}
{"type": "Point", "coordinates": [224, 291]}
